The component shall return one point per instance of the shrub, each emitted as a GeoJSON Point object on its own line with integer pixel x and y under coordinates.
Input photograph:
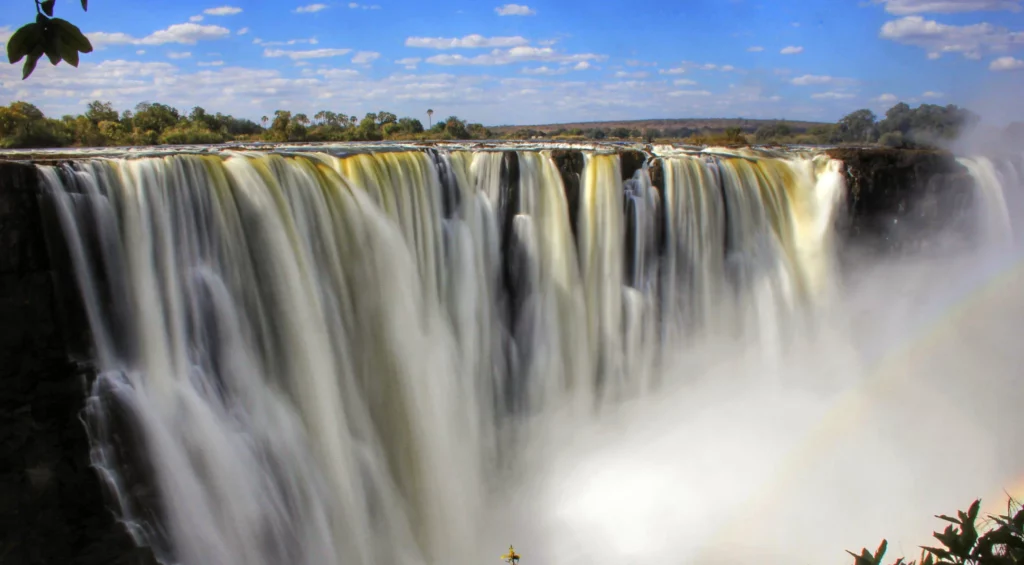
{"type": "Point", "coordinates": [1001, 544]}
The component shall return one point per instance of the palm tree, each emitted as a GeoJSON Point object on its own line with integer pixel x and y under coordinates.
{"type": "Point", "coordinates": [320, 116]}
{"type": "Point", "coordinates": [302, 119]}
{"type": "Point", "coordinates": [264, 121]}
{"type": "Point", "coordinates": [430, 114]}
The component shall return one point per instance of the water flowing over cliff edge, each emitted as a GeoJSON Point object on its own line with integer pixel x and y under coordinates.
{"type": "Point", "coordinates": [408, 355]}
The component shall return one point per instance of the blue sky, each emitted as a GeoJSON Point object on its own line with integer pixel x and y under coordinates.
{"type": "Point", "coordinates": [539, 62]}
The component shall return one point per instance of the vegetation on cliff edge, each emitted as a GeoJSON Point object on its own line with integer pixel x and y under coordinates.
{"type": "Point", "coordinates": [999, 541]}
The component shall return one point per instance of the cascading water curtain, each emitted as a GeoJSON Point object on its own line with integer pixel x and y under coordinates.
{"type": "Point", "coordinates": [312, 359]}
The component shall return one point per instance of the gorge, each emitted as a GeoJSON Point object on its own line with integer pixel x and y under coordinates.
{"type": "Point", "coordinates": [416, 353]}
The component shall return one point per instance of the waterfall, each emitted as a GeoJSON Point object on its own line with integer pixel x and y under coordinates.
{"type": "Point", "coordinates": [999, 182]}
{"type": "Point", "coordinates": [312, 359]}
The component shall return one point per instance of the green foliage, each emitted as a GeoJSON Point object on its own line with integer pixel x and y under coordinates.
{"type": "Point", "coordinates": [964, 544]}
{"type": "Point", "coordinates": [928, 125]}
{"type": "Point", "coordinates": [58, 39]}
{"type": "Point", "coordinates": [773, 132]}
{"type": "Point", "coordinates": [23, 125]}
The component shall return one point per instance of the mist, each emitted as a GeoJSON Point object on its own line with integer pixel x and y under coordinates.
{"type": "Point", "coordinates": [899, 401]}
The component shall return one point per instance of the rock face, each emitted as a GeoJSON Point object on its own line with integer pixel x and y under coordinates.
{"type": "Point", "coordinates": [52, 508]}
{"type": "Point", "coordinates": [897, 200]}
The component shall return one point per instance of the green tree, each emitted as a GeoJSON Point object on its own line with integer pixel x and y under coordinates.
{"type": "Point", "coordinates": [279, 127]}
{"type": "Point", "coordinates": [155, 117]}
{"type": "Point", "coordinates": [98, 112]}
{"type": "Point", "coordinates": [478, 131]}
{"type": "Point", "coordinates": [410, 125]}
{"type": "Point", "coordinates": [384, 118]}
{"type": "Point", "coordinates": [24, 125]}
{"type": "Point", "coordinates": [454, 128]}
{"type": "Point", "coordinates": [367, 130]}
{"type": "Point", "coordinates": [857, 127]}
{"type": "Point", "coordinates": [58, 39]}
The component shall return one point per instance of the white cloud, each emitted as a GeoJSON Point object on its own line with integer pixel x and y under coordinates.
{"type": "Point", "coordinates": [179, 55]}
{"type": "Point", "coordinates": [677, 93]}
{"type": "Point", "coordinates": [755, 49]}
{"type": "Point", "coordinates": [672, 71]}
{"type": "Point", "coordinates": [358, 6]}
{"type": "Point", "coordinates": [310, 9]}
{"type": "Point", "coordinates": [905, 7]}
{"type": "Point", "coordinates": [310, 41]}
{"type": "Point", "coordinates": [970, 40]}
{"type": "Point", "coordinates": [886, 98]}
{"type": "Point", "coordinates": [808, 80]}
{"type": "Point", "coordinates": [791, 50]}
{"type": "Point", "coordinates": [638, 63]}
{"type": "Point", "coordinates": [514, 55]}
{"type": "Point", "coordinates": [140, 52]}
{"type": "Point", "coordinates": [626, 74]}
{"type": "Point", "coordinates": [338, 73]}
{"type": "Point", "coordinates": [242, 31]}
{"type": "Point", "coordinates": [195, 19]}
{"type": "Point", "coordinates": [933, 56]}
{"type": "Point", "coordinates": [210, 63]}
{"type": "Point", "coordinates": [472, 41]}
{"type": "Point", "coordinates": [409, 62]}
{"type": "Point", "coordinates": [727, 68]}
{"type": "Point", "coordinates": [222, 11]}
{"type": "Point", "coordinates": [514, 10]}
{"type": "Point", "coordinates": [684, 82]}
{"type": "Point", "coordinates": [309, 54]}
{"type": "Point", "coordinates": [832, 95]}
{"type": "Point", "coordinates": [931, 94]}
{"type": "Point", "coordinates": [581, 66]}
{"type": "Point", "coordinates": [186, 34]}
{"type": "Point", "coordinates": [1006, 64]}
{"type": "Point", "coordinates": [545, 70]}
{"type": "Point", "coordinates": [252, 92]}
{"type": "Point", "coordinates": [365, 57]}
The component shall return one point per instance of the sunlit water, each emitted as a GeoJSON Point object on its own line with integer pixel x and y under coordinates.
{"type": "Point", "coordinates": [424, 356]}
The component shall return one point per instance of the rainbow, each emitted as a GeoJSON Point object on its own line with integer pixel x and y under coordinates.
{"type": "Point", "coordinates": [975, 303]}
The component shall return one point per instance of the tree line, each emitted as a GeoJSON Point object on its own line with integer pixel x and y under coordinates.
{"type": "Point", "coordinates": [927, 126]}
{"type": "Point", "coordinates": [23, 125]}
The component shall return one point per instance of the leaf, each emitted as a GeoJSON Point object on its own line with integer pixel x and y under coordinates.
{"type": "Point", "coordinates": [52, 45]}
{"type": "Point", "coordinates": [972, 512]}
{"type": "Point", "coordinates": [948, 519]}
{"type": "Point", "coordinates": [85, 5]}
{"type": "Point", "coordinates": [23, 42]}
{"type": "Point", "coordinates": [940, 553]}
{"type": "Point", "coordinates": [47, 7]}
{"type": "Point", "coordinates": [71, 34]}
{"type": "Point", "coordinates": [69, 53]}
{"type": "Point", "coordinates": [30, 62]}
{"type": "Point", "coordinates": [880, 552]}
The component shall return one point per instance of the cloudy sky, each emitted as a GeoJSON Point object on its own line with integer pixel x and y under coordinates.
{"type": "Point", "coordinates": [540, 62]}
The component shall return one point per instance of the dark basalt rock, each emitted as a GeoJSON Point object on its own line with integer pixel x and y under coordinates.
{"type": "Point", "coordinates": [570, 166]}
{"type": "Point", "coordinates": [631, 162]}
{"type": "Point", "coordinates": [898, 200]}
{"type": "Point", "coordinates": [52, 508]}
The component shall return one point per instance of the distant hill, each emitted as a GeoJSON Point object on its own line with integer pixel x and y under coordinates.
{"type": "Point", "coordinates": [714, 124]}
